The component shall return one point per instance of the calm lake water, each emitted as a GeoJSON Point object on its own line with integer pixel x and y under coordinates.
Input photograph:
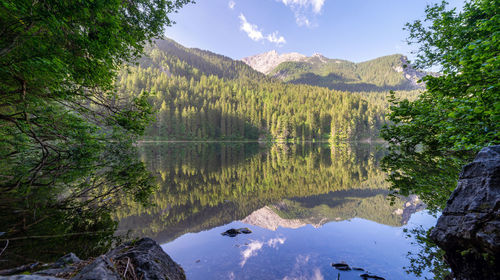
{"type": "Point", "coordinates": [307, 205]}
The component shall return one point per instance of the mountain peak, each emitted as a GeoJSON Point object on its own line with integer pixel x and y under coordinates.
{"type": "Point", "coordinates": [266, 62]}
{"type": "Point", "coordinates": [321, 57]}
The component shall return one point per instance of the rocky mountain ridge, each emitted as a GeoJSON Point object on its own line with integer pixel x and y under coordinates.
{"type": "Point", "coordinates": [266, 62]}
{"type": "Point", "coordinates": [393, 72]}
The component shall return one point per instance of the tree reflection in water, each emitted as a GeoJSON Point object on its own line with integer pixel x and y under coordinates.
{"type": "Point", "coordinates": [66, 206]}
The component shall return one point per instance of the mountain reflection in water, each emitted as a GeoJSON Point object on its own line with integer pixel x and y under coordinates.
{"type": "Point", "coordinates": [308, 205]}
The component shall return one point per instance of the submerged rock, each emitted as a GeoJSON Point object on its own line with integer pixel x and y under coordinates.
{"type": "Point", "coordinates": [358, 268]}
{"type": "Point", "coordinates": [341, 266]}
{"type": "Point", "coordinates": [233, 232]}
{"type": "Point", "coordinates": [371, 276]}
{"type": "Point", "coordinates": [469, 228]}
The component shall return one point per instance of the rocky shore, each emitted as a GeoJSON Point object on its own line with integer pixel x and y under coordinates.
{"type": "Point", "coordinates": [469, 228]}
{"type": "Point", "coordinates": [143, 259]}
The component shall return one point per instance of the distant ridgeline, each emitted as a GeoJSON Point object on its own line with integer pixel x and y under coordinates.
{"type": "Point", "coordinates": [382, 74]}
{"type": "Point", "coordinates": [207, 185]}
{"type": "Point", "coordinates": [200, 95]}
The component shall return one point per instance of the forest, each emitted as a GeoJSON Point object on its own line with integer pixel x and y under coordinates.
{"type": "Point", "coordinates": [198, 95]}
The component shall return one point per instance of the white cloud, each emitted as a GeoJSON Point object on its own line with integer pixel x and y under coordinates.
{"type": "Point", "coordinates": [302, 20]}
{"type": "Point", "coordinates": [273, 38]}
{"type": "Point", "coordinates": [316, 5]}
{"type": "Point", "coordinates": [301, 270]}
{"type": "Point", "coordinates": [301, 8]}
{"type": "Point", "coordinates": [274, 242]}
{"type": "Point", "coordinates": [231, 4]}
{"type": "Point", "coordinates": [255, 34]}
{"type": "Point", "coordinates": [255, 246]}
{"type": "Point", "coordinates": [252, 30]}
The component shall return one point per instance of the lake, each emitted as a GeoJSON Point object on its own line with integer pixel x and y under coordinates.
{"type": "Point", "coordinates": [307, 205]}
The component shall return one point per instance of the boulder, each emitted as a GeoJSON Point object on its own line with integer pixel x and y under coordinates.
{"type": "Point", "coordinates": [66, 265]}
{"type": "Point", "coordinates": [100, 268]}
{"type": "Point", "coordinates": [469, 227]}
{"type": "Point", "coordinates": [147, 260]}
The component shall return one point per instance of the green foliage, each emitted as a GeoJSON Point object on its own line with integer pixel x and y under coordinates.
{"type": "Point", "coordinates": [65, 134]}
{"type": "Point", "coordinates": [434, 135]}
{"type": "Point", "coordinates": [58, 63]}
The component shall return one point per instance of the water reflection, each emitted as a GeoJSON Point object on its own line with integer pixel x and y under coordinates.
{"type": "Point", "coordinates": [308, 205]}
{"type": "Point", "coordinates": [67, 205]}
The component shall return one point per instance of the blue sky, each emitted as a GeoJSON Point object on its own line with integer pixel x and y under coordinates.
{"type": "Point", "coordinates": [355, 30]}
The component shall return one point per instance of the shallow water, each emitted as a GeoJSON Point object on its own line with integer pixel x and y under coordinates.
{"type": "Point", "coordinates": [307, 206]}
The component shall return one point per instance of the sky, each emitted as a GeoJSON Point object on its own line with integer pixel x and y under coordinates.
{"type": "Point", "coordinates": [355, 30]}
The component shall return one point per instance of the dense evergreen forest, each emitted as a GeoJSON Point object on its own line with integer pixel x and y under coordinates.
{"type": "Point", "coordinates": [210, 184]}
{"type": "Point", "coordinates": [199, 95]}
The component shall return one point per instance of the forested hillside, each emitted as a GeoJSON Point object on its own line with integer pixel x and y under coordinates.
{"type": "Point", "coordinates": [386, 73]}
{"type": "Point", "coordinates": [201, 95]}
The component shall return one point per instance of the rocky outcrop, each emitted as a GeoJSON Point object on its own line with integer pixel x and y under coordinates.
{"type": "Point", "coordinates": [149, 259]}
{"type": "Point", "coordinates": [411, 74]}
{"type": "Point", "coordinates": [100, 268]}
{"type": "Point", "coordinates": [469, 228]}
{"type": "Point", "coordinates": [144, 259]}
{"type": "Point", "coordinates": [266, 62]}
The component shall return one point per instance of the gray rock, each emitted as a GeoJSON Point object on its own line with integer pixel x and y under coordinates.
{"type": "Point", "coordinates": [469, 228]}
{"type": "Point", "coordinates": [341, 266]}
{"type": "Point", "coordinates": [148, 259]}
{"type": "Point", "coordinates": [358, 268]}
{"type": "Point", "coordinates": [64, 265]}
{"type": "Point", "coordinates": [234, 232]}
{"type": "Point", "coordinates": [20, 269]}
{"type": "Point", "coordinates": [366, 276]}
{"type": "Point", "coordinates": [56, 272]}
{"type": "Point", "coordinates": [101, 268]}
{"type": "Point", "coordinates": [144, 259]}
{"type": "Point", "coordinates": [65, 260]}
{"type": "Point", "coordinates": [29, 277]}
